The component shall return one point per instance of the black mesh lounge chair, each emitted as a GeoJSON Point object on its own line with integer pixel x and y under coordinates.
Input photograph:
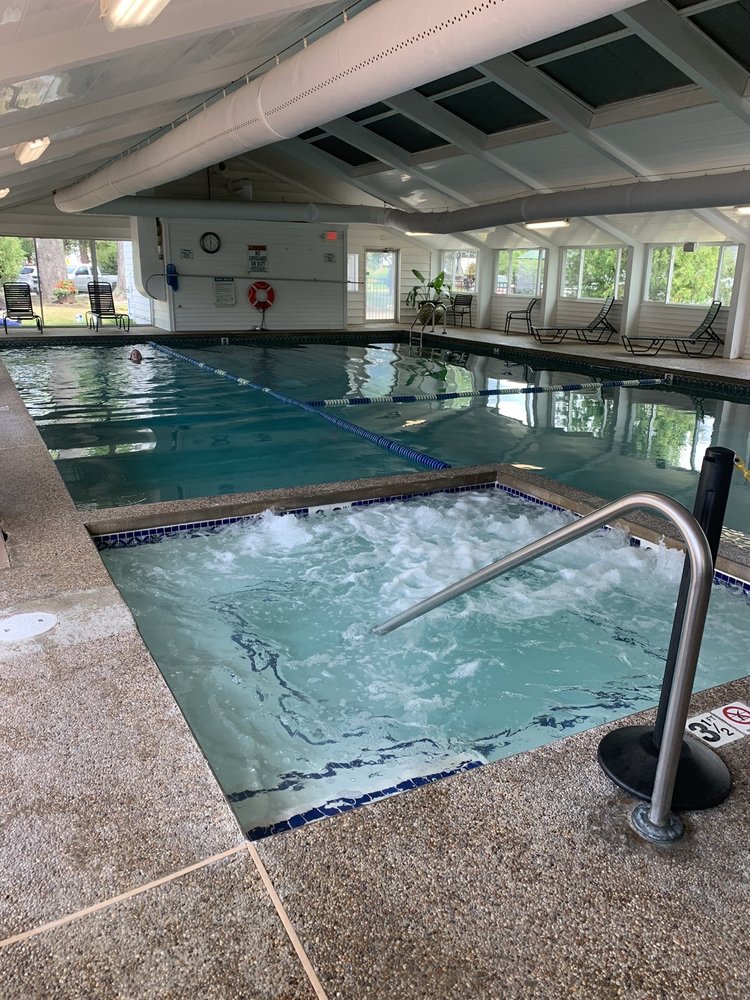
{"type": "Point", "coordinates": [702, 340]}
{"type": "Point", "coordinates": [461, 306]}
{"type": "Point", "coordinates": [103, 307]}
{"type": "Point", "coordinates": [18, 304]}
{"type": "Point", "coordinates": [520, 314]}
{"type": "Point", "coordinates": [598, 331]}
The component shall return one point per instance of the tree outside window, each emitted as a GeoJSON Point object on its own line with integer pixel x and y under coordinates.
{"type": "Point", "coordinates": [594, 272]}
{"type": "Point", "coordinates": [697, 277]}
{"type": "Point", "coordinates": [460, 267]}
{"type": "Point", "coordinates": [520, 272]}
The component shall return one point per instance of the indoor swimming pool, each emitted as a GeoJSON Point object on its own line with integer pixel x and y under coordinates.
{"type": "Point", "coordinates": [168, 429]}
{"type": "Point", "coordinates": [263, 631]}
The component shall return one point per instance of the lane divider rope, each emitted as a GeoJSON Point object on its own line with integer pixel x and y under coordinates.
{"type": "Point", "coordinates": [404, 451]}
{"type": "Point", "coordinates": [529, 389]}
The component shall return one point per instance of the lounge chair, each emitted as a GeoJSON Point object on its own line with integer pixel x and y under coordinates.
{"type": "Point", "coordinates": [699, 342]}
{"type": "Point", "coordinates": [461, 306]}
{"type": "Point", "coordinates": [517, 314]}
{"type": "Point", "coordinates": [103, 307]}
{"type": "Point", "coordinates": [598, 331]}
{"type": "Point", "coordinates": [18, 304]}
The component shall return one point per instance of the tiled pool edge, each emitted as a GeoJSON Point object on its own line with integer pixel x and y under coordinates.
{"type": "Point", "coordinates": [144, 536]}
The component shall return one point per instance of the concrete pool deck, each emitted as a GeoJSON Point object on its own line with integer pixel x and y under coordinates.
{"type": "Point", "coordinates": [125, 874]}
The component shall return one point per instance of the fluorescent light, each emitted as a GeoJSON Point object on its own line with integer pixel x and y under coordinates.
{"type": "Point", "coordinates": [549, 224]}
{"type": "Point", "coordinates": [419, 234]}
{"type": "Point", "coordinates": [4, 192]}
{"type": "Point", "coordinates": [26, 152]}
{"type": "Point", "coordinates": [130, 13]}
{"type": "Point", "coordinates": [742, 209]}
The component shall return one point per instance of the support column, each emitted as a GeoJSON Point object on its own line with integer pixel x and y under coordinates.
{"type": "Point", "coordinates": [635, 289]}
{"type": "Point", "coordinates": [485, 287]}
{"type": "Point", "coordinates": [737, 337]}
{"type": "Point", "coordinates": [551, 291]}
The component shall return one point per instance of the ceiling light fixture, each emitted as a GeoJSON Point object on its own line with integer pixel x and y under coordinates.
{"type": "Point", "coordinates": [26, 152]}
{"type": "Point", "coordinates": [419, 234]}
{"type": "Point", "coordinates": [549, 224]}
{"type": "Point", "coordinates": [4, 192]}
{"type": "Point", "coordinates": [130, 13]}
{"type": "Point", "coordinates": [742, 209]}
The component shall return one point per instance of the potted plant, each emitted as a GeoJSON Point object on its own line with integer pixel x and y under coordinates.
{"type": "Point", "coordinates": [430, 297]}
{"type": "Point", "coordinates": [64, 291]}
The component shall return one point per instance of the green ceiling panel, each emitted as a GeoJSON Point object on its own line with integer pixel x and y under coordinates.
{"type": "Point", "coordinates": [566, 39]}
{"type": "Point", "coordinates": [490, 108]}
{"type": "Point", "coordinates": [615, 71]}
{"type": "Point", "coordinates": [343, 151]}
{"type": "Point", "coordinates": [729, 27]}
{"type": "Point", "coordinates": [369, 112]}
{"type": "Point", "coordinates": [406, 133]}
{"type": "Point", "coordinates": [449, 82]}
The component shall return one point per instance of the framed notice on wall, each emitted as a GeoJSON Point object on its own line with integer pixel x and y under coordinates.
{"type": "Point", "coordinates": [224, 292]}
{"type": "Point", "coordinates": [257, 258]}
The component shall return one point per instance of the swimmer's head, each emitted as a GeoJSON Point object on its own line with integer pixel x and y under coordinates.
{"type": "Point", "coordinates": [135, 355]}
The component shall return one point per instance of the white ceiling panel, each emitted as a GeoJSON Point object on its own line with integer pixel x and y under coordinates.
{"type": "Point", "coordinates": [689, 141]}
{"type": "Point", "coordinates": [563, 161]}
{"type": "Point", "coordinates": [482, 182]}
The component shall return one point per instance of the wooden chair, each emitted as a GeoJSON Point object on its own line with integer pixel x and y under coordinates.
{"type": "Point", "coordinates": [18, 304]}
{"type": "Point", "coordinates": [696, 344]}
{"type": "Point", "coordinates": [524, 314]}
{"type": "Point", "coordinates": [598, 331]}
{"type": "Point", "coordinates": [461, 306]}
{"type": "Point", "coordinates": [103, 307]}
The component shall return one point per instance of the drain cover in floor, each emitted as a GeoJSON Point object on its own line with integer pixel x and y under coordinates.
{"type": "Point", "coordinates": [26, 626]}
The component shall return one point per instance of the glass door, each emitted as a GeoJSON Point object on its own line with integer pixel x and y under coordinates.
{"type": "Point", "coordinates": [381, 282]}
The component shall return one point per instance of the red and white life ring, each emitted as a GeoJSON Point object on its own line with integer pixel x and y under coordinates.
{"type": "Point", "coordinates": [261, 295]}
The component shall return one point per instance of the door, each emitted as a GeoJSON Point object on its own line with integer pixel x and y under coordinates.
{"type": "Point", "coordinates": [381, 283]}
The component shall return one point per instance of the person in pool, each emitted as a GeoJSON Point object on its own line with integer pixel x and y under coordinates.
{"type": "Point", "coordinates": [135, 356]}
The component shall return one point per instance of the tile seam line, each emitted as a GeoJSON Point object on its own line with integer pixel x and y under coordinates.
{"type": "Point", "coordinates": [287, 923]}
{"type": "Point", "coordinates": [121, 897]}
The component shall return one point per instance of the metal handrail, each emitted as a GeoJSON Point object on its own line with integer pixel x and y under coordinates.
{"type": "Point", "coordinates": [657, 821]}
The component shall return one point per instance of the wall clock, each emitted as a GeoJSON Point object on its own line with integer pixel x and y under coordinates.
{"type": "Point", "coordinates": [210, 242]}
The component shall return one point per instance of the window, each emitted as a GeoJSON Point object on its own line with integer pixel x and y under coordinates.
{"type": "Point", "coordinates": [460, 268]}
{"type": "Point", "coordinates": [352, 272]}
{"type": "Point", "coordinates": [520, 272]}
{"type": "Point", "coordinates": [594, 272]}
{"type": "Point", "coordinates": [686, 277]}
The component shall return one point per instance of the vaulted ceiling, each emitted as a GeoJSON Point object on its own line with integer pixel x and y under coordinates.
{"type": "Point", "coordinates": [658, 90]}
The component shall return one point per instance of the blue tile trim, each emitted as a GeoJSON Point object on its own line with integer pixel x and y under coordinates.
{"type": "Point", "coordinates": [343, 804]}
{"type": "Point", "coordinates": [147, 536]}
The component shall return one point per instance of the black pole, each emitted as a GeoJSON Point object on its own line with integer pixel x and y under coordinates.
{"type": "Point", "coordinates": [629, 755]}
{"type": "Point", "coordinates": [709, 509]}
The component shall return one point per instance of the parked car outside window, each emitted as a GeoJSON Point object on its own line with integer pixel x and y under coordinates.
{"type": "Point", "coordinates": [30, 275]}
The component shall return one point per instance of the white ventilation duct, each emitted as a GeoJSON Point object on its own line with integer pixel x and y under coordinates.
{"type": "Point", "coordinates": [388, 48]}
{"type": "Point", "coordinates": [706, 191]}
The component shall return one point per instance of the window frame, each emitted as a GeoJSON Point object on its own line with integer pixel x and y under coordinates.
{"type": "Point", "coordinates": [540, 269]}
{"type": "Point", "coordinates": [723, 246]}
{"type": "Point", "coordinates": [620, 275]}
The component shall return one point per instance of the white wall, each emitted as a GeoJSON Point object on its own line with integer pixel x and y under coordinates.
{"type": "Point", "coordinates": [307, 273]}
{"type": "Point", "coordinates": [669, 320]}
{"type": "Point", "coordinates": [502, 304]}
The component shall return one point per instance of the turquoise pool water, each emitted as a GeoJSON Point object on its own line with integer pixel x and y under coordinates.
{"type": "Point", "coordinates": [263, 633]}
{"type": "Point", "coordinates": [124, 433]}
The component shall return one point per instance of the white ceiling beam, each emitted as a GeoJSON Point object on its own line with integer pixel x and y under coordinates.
{"type": "Point", "coordinates": [75, 113]}
{"type": "Point", "coordinates": [716, 218]}
{"type": "Point", "coordinates": [538, 91]}
{"type": "Point", "coordinates": [391, 154]}
{"type": "Point", "coordinates": [39, 53]}
{"type": "Point", "coordinates": [459, 133]}
{"type": "Point", "coordinates": [684, 45]}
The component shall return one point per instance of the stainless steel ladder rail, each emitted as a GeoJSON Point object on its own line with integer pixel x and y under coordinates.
{"type": "Point", "coordinates": [653, 821]}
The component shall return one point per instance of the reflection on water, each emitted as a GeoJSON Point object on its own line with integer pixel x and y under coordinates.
{"type": "Point", "coordinates": [165, 429]}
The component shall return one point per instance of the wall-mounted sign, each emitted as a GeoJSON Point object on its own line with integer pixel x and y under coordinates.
{"type": "Point", "coordinates": [329, 258]}
{"type": "Point", "coordinates": [186, 253]}
{"type": "Point", "coordinates": [257, 258]}
{"type": "Point", "coordinates": [224, 292]}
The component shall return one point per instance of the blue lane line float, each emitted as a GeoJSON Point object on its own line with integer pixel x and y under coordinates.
{"type": "Point", "coordinates": [529, 389]}
{"type": "Point", "coordinates": [404, 451]}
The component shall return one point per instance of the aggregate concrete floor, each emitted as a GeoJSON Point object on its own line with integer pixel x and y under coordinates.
{"type": "Point", "coordinates": [126, 876]}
